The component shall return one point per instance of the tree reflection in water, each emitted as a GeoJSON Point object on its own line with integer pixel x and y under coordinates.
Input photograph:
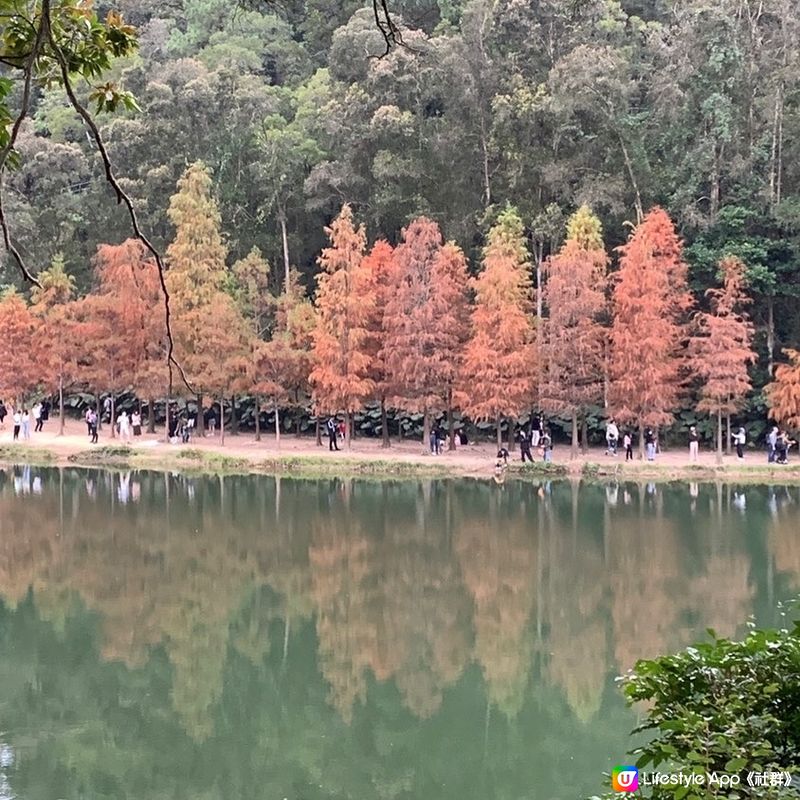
{"type": "Point", "coordinates": [168, 636]}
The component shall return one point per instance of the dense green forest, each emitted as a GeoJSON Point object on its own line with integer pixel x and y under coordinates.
{"type": "Point", "coordinates": [296, 108]}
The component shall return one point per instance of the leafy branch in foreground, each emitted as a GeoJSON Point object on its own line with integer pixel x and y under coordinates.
{"type": "Point", "coordinates": [721, 706]}
{"type": "Point", "coordinates": [50, 44]}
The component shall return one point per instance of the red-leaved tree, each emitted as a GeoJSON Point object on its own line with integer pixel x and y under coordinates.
{"type": "Point", "coordinates": [425, 322]}
{"type": "Point", "coordinates": [380, 264]}
{"type": "Point", "coordinates": [344, 302]}
{"type": "Point", "coordinates": [572, 335]}
{"type": "Point", "coordinates": [648, 333]}
{"type": "Point", "coordinates": [499, 370]}
{"type": "Point", "coordinates": [19, 368]}
{"type": "Point", "coordinates": [720, 348]}
{"type": "Point", "coordinates": [783, 394]}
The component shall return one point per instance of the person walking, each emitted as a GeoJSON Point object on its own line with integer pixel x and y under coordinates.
{"type": "Point", "coordinates": [650, 444]}
{"type": "Point", "coordinates": [433, 439]}
{"type": "Point", "coordinates": [536, 431]}
{"type": "Point", "coordinates": [92, 423]}
{"type": "Point", "coordinates": [37, 417]}
{"type": "Point", "coordinates": [45, 410]}
{"type": "Point", "coordinates": [107, 409]}
{"type": "Point", "coordinates": [694, 443]}
{"type": "Point", "coordinates": [88, 419]}
{"type": "Point", "coordinates": [123, 421]}
{"type": "Point", "coordinates": [612, 437]}
{"type": "Point", "coordinates": [136, 423]}
{"type": "Point", "coordinates": [739, 439]}
{"type": "Point", "coordinates": [524, 439]}
{"type": "Point", "coordinates": [772, 444]}
{"type": "Point", "coordinates": [333, 431]}
{"type": "Point", "coordinates": [26, 424]}
{"type": "Point", "coordinates": [627, 443]}
{"type": "Point", "coordinates": [3, 414]}
{"type": "Point", "coordinates": [17, 419]}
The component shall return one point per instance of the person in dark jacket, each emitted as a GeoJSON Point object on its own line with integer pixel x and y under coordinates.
{"type": "Point", "coordinates": [333, 430]}
{"type": "Point", "coordinates": [524, 439]}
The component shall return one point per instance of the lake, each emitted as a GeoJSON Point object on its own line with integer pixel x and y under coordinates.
{"type": "Point", "coordinates": [165, 636]}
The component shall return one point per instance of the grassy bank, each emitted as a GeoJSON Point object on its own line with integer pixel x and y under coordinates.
{"type": "Point", "coordinates": [192, 460]}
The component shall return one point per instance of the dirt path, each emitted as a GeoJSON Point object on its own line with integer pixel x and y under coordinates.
{"type": "Point", "coordinates": [368, 455]}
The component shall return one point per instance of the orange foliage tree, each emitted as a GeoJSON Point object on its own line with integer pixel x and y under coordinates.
{"type": "Point", "coordinates": [499, 362]}
{"type": "Point", "coordinates": [108, 359]}
{"type": "Point", "coordinates": [128, 277]}
{"type": "Point", "coordinates": [783, 394]}
{"type": "Point", "coordinates": [53, 307]}
{"type": "Point", "coordinates": [196, 275]}
{"type": "Point", "coordinates": [281, 365]}
{"type": "Point", "coordinates": [720, 349]}
{"type": "Point", "coordinates": [425, 322]}
{"type": "Point", "coordinates": [380, 264]}
{"type": "Point", "coordinates": [648, 333]}
{"type": "Point", "coordinates": [344, 304]}
{"type": "Point", "coordinates": [20, 366]}
{"type": "Point", "coordinates": [572, 336]}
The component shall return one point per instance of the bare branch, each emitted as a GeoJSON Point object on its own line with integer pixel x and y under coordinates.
{"type": "Point", "coordinates": [30, 64]}
{"type": "Point", "coordinates": [122, 198]}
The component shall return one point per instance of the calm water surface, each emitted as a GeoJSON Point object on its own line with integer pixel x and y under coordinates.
{"type": "Point", "coordinates": [249, 637]}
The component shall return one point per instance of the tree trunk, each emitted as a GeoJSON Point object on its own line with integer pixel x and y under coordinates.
{"type": "Point", "coordinates": [728, 439]}
{"type": "Point", "coordinates": [234, 417]}
{"type": "Point", "coordinates": [719, 436]}
{"type": "Point", "coordinates": [60, 405]}
{"type": "Point", "coordinates": [151, 415]}
{"type": "Point", "coordinates": [775, 168]}
{"type": "Point", "coordinates": [384, 425]}
{"type": "Point", "coordinates": [222, 419]}
{"type": "Point", "coordinates": [285, 242]}
{"type": "Point", "coordinates": [573, 446]}
{"type": "Point", "coordinates": [770, 336]}
{"type": "Point", "coordinates": [584, 436]}
{"type": "Point", "coordinates": [166, 419]}
{"type": "Point", "coordinates": [278, 426]}
{"type": "Point", "coordinates": [637, 197]}
{"type": "Point", "coordinates": [258, 420]}
{"type": "Point", "coordinates": [200, 423]}
{"type": "Point", "coordinates": [318, 433]}
{"type": "Point", "coordinates": [512, 439]}
{"type": "Point", "coordinates": [113, 417]}
{"type": "Point", "coordinates": [499, 431]}
{"type": "Point", "coordinates": [99, 411]}
{"type": "Point", "coordinates": [641, 441]}
{"type": "Point", "coordinates": [426, 431]}
{"type": "Point", "coordinates": [348, 433]}
{"type": "Point", "coordinates": [451, 431]}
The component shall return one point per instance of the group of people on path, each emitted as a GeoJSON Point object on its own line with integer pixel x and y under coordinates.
{"type": "Point", "coordinates": [126, 425]}
{"type": "Point", "coordinates": [21, 419]}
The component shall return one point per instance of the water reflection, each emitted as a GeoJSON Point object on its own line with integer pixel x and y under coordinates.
{"type": "Point", "coordinates": [357, 639]}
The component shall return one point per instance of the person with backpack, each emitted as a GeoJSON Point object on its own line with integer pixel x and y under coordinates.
{"type": "Point", "coordinates": [333, 431]}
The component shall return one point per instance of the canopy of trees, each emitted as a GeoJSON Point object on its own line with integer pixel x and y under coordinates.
{"type": "Point", "coordinates": [289, 111]}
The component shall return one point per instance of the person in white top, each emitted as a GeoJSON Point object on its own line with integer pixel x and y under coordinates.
{"type": "Point", "coordinates": [612, 437]}
{"type": "Point", "coordinates": [26, 424]}
{"type": "Point", "coordinates": [37, 417]}
{"type": "Point", "coordinates": [124, 427]}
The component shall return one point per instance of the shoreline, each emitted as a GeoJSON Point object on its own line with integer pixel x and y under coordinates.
{"type": "Point", "coordinates": [302, 458]}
